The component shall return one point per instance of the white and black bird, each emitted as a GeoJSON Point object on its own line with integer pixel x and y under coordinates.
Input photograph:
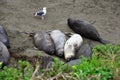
{"type": "Point", "coordinates": [41, 13]}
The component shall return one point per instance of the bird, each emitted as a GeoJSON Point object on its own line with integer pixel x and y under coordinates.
{"type": "Point", "coordinates": [41, 13]}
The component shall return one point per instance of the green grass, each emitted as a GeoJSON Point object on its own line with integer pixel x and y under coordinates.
{"type": "Point", "coordinates": [24, 72]}
{"type": "Point", "coordinates": [104, 65]}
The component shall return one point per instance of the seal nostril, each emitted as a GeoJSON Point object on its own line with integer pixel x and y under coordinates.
{"type": "Point", "coordinates": [52, 51]}
{"type": "Point", "coordinates": [60, 55]}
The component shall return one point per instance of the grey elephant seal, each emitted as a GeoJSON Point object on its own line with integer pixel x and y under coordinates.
{"type": "Point", "coordinates": [4, 37]}
{"type": "Point", "coordinates": [4, 54]}
{"type": "Point", "coordinates": [85, 29]}
{"type": "Point", "coordinates": [71, 46]}
{"type": "Point", "coordinates": [43, 41]}
{"type": "Point", "coordinates": [59, 39]}
{"type": "Point", "coordinates": [85, 50]}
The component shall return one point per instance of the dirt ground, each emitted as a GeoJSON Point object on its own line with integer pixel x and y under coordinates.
{"type": "Point", "coordinates": [17, 16]}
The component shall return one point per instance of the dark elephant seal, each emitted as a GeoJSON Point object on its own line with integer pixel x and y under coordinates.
{"type": "Point", "coordinates": [59, 39]}
{"type": "Point", "coordinates": [84, 50]}
{"type": "Point", "coordinates": [71, 46]}
{"type": "Point", "coordinates": [4, 54]}
{"type": "Point", "coordinates": [43, 41]}
{"type": "Point", "coordinates": [4, 37]}
{"type": "Point", "coordinates": [74, 62]}
{"type": "Point", "coordinates": [85, 29]}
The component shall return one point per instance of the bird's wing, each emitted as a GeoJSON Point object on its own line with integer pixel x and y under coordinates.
{"type": "Point", "coordinates": [40, 13]}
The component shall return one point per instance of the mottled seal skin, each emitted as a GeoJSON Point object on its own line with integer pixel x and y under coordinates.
{"type": "Point", "coordinates": [71, 46]}
{"type": "Point", "coordinates": [4, 37]}
{"type": "Point", "coordinates": [4, 54]}
{"type": "Point", "coordinates": [85, 29]}
{"type": "Point", "coordinates": [84, 50]}
{"type": "Point", "coordinates": [43, 41]}
{"type": "Point", "coordinates": [59, 39]}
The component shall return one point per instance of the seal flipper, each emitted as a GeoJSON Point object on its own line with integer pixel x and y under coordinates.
{"type": "Point", "coordinates": [104, 41]}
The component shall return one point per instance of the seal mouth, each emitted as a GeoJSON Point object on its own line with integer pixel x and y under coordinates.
{"type": "Point", "coordinates": [71, 58]}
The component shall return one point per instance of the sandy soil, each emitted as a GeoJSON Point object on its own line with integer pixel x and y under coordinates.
{"type": "Point", "coordinates": [17, 16]}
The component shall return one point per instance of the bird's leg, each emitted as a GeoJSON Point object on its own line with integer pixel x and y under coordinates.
{"type": "Point", "coordinates": [42, 17]}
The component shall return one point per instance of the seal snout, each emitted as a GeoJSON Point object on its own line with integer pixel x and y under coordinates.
{"type": "Point", "coordinates": [52, 51]}
{"type": "Point", "coordinates": [60, 54]}
{"type": "Point", "coordinates": [69, 19]}
{"type": "Point", "coordinates": [70, 58]}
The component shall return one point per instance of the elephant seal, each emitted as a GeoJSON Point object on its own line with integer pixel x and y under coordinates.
{"type": "Point", "coordinates": [4, 55]}
{"type": "Point", "coordinates": [84, 50]}
{"type": "Point", "coordinates": [71, 46]}
{"type": "Point", "coordinates": [85, 29]}
{"type": "Point", "coordinates": [59, 39]}
{"type": "Point", "coordinates": [43, 41]}
{"type": "Point", "coordinates": [4, 37]}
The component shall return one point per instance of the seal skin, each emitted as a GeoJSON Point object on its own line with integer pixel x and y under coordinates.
{"type": "Point", "coordinates": [85, 29]}
{"type": "Point", "coordinates": [4, 37]}
{"type": "Point", "coordinates": [4, 55]}
{"type": "Point", "coordinates": [84, 50]}
{"type": "Point", "coordinates": [59, 39]}
{"type": "Point", "coordinates": [43, 42]}
{"type": "Point", "coordinates": [71, 46]}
